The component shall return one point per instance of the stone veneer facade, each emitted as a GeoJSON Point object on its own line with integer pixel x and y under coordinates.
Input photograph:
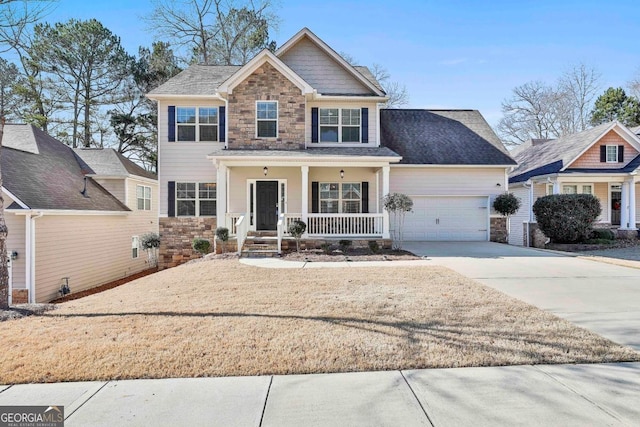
{"type": "Point", "coordinates": [266, 84]}
{"type": "Point", "coordinates": [176, 235]}
{"type": "Point", "coordinates": [498, 232]}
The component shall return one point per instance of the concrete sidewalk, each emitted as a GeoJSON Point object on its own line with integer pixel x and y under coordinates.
{"type": "Point", "coordinates": [557, 395]}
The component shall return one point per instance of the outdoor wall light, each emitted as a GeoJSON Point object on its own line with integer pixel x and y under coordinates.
{"type": "Point", "coordinates": [498, 185]}
{"type": "Point", "coordinates": [341, 173]}
{"type": "Point", "coordinates": [14, 255]}
{"type": "Point", "coordinates": [265, 170]}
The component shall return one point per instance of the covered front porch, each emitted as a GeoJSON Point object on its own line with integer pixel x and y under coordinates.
{"type": "Point", "coordinates": [616, 192]}
{"type": "Point", "coordinates": [337, 196]}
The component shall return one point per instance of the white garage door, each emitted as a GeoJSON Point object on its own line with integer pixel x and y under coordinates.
{"type": "Point", "coordinates": [438, 218]}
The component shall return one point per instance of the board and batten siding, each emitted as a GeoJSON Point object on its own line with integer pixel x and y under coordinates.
{"type": "Point", "coordinates": [321, 71]}
{"type": "Point", "coordinates": [516, 221]}
{"type": "Point", "coordinates": [182, 161]}
{"type": "Point", "coordinates": [16, 242]}
{"type": "Point", "coordinates": [89, 249]}
{"type": "Point", "coordinates": [372, 117]}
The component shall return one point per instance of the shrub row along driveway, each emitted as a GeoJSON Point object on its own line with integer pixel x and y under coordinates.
{"type": "Point", "coordinates": [220, 318]}
{"type": "Point", "coordinates": [602, 297]}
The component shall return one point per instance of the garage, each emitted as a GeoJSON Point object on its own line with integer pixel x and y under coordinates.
{"type": "Point", "coordinates": [442, 218]}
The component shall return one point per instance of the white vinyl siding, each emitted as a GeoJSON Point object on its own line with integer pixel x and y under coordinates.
{"type": "Point", "coordinates": [16, 242]}
{"type": "Point", "coordinates": [516, 221]}
{"type": "Point", "coordinates": [183, 162]}
{"type": "Point", "coordinates": [322, 72]}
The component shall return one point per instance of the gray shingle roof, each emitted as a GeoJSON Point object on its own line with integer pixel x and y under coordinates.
{"type": "Point", "coordinates": [108, 162]}
{"type": "Point", "coordinates": [536, 155]}
{"type": "Point", "coordinates": [205, 79]}
{"type": "Point", "coordinates": [197, 80]}
{"type": "Point", "coordinates": [345, 152]}
{"type": "Point", "coordinates": [447, 137]}
{"type": "Point", "coordinates": [51, 178]}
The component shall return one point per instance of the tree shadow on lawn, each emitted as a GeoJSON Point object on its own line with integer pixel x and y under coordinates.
{"type": "Point", "coordinates": [546, 345]}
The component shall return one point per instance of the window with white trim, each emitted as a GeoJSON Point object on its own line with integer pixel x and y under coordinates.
{"type": "Point", "coordinates": [339, 124]}
{"type": "Point", "coordinates": [196, 199]}
{"type": "Point", "coordinates": [572, 189]}
{"type": "Point", "coordinates": [340, 198]}
{"type": "Point", "coordinates": [143, 197]}
{"type": "Point", "coordinates": [135, 245]}
{"type": "Point", "coordinates": [612, 154]}
{"type": "Point", "coordinates": [197, 124]}
{"type": "Point", "coordinates": [266, 119]}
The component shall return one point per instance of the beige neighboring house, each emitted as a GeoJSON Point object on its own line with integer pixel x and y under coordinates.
{"type": "Point", "coordinates": [74, 216]}
{"type": "Point", "coordinates": [602, 161]}
{"type": "Point", "coordinates": [302, 134]}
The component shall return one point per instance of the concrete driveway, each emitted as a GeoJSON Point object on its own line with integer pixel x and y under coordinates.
{"type": "Point", "coordinates": [602, 297]}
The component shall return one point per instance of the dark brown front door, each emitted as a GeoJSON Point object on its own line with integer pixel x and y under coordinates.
{"type": "Point", "coordinates": [267, 205]}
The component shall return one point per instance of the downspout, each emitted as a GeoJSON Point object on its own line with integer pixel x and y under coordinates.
{"type": "Point", "coordinates": [31, 253]}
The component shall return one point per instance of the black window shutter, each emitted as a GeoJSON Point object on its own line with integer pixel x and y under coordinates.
{"type": "Point", "coordinates": [172, 123]}
{"type": "Point", "coordinates": [365, 197]}
{"type": "Point", "coordinates": [365, 125]}
{"type": "Point", "coordinates": [223, 124]}
{"type": "Point", "coordinates": [603, 153]}
{"type": "Point", "coordinates": [314, 124]}
{"type": "Point", "coordinates": [315, 197]}
{"type": "Point", "coordinates": [171, 199]}
{"type": "Point", "coordinates": [620, 153]}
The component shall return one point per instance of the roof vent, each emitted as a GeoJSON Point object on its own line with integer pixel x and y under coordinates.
{"type": "Point", "coordinates": [84, 190]}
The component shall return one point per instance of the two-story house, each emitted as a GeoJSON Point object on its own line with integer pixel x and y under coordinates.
{"type": "Point", "coordinates": [74, 217]}
{"type": "Point", "coordinates": [303, 134]}
{"type": "Point", "coordinates": [602, 161]}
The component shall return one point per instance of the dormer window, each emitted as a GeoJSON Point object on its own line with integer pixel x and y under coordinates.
{"type": "Point", "coordinates": [340, 124]}
{"type": "Point", "coordinates": [612, 154]}
{"type": "Point", "coordinates": [266, 119]}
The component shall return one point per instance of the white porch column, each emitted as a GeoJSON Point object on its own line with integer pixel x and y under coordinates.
{"type": "Point", "coordinates": [385, 213]}
{"type": "Point", "coordinates": [632, 204]}
{"type": "Point", "coordinates": [221, 188]}
{"type": "Point", "coordinates": [557, 189]}
{"type": "Point", "coordinates": [624, 209]}
{"type": "Point", "coordinates": [305, 195]}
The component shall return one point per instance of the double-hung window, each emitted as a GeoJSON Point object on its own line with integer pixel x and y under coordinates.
{"type": "Point", "coordinates": [266, 119]}
{"type": "Point", "coordinates": [572, 189]}
{"type": "Point", "coordinates": [143, 197]}
{"type": "Point", "coordinates": [339, 124]}
{"type": "Point", "coordinates": [612, 154]}
{"type": "Point", "coordinates": [197, 124]}
{"type": "Point", "coordinates": [135, 245]}
{"type": "Point", "coordinates": [195, 199]}
{"type": "Point", "coordinates": [340, 198]}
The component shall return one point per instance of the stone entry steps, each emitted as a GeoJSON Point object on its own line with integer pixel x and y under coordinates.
{"type": "Point", "coordinates": [260, 244]}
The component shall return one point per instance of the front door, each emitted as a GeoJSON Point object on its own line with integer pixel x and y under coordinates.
{"type": "Point", "coordinates": [616, 199]}
{"type": "Point", "coordinates": [266, 205]}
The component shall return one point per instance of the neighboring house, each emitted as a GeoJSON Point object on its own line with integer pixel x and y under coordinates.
{"type": "Point", "coordinates": [302, 133]}
{"type": "Point", "coordinates": [602, 161]}
{"type": "Point", "coordinates": [73, 216]}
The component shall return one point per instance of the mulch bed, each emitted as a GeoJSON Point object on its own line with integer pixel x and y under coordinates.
{"type": "Point", "coordinates": [355, 254]}
{"type": "Point", "coordinates": [581, 247]}
{"type": "Point", "coordinates": [105, 287]}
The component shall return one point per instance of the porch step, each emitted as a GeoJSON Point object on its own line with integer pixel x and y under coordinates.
{"type": "Point", "coordinates": [260, 245]}
{"type": "Point", "coordinates": [262, 234]}
{"type": "Point", "coordinates": [260, 253]}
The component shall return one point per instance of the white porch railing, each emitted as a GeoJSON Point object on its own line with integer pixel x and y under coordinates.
{"type": "Point", "coordinates": [231, 220]}
{"type": "Point", "coordinates": [345, 225]}
{"type": "Point", "coordinates": [281, 230]}
{"type": "Point", "coordinates": [288, 219]}
{"type": "Point", "coordinates": [242, 228]}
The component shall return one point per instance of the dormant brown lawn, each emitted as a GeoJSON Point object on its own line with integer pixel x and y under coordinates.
{"type": "Point", "coordinates": [219, 318]}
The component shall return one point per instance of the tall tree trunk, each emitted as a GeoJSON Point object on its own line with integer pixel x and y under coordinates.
{"type": "Point", "coordinates": [4, 268]}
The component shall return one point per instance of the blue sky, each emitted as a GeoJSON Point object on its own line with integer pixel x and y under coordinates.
{"type": "Point", "coordinates": [449, 54]}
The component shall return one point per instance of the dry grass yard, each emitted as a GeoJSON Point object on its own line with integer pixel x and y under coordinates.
{"type": "Point", "coordinates": [220, 318]}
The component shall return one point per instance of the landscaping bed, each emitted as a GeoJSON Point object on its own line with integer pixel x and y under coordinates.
{"type": "Point", "coordinates": [224, 318]}
{"type": "Point", "coordinates": [354, 254]}
{"type": "Point", "coordinates": [587, 246]}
